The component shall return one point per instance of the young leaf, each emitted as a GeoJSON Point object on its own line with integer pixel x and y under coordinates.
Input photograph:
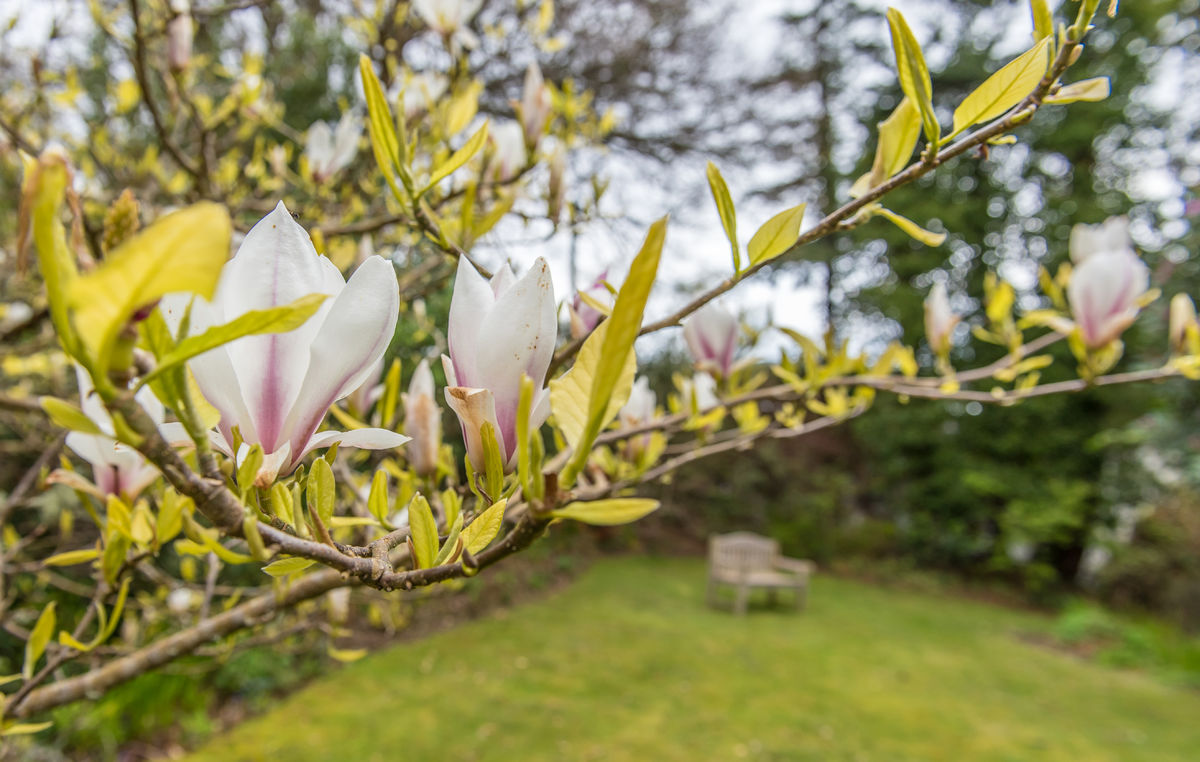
{"type": "Point", "coordinates": [321, 490]}
{"type": "Point", "coordinates": [1004, 89]}
{"type": "Point", "coordinates": [377, 500]}
{"type": "Point", "coordinates": [607, 512]}
{"type": "Point", "coordinates": [450, 548]}
{"type": "Point", "coordinates": [273, 320]}
{"type": "Point", "coordinates": [897, 138]}
{"type": "Point", "coordinates": [248, 470]}
{"type": "Point", "coordinates": [423, 532]}
{"type": "Point", "coordinates": [1094, 89]}
{"type": "Point", "coordinates": [382, 129]}
{"type": "Point", "coordinates": [182, 251]}
{"type": "Point", "coordinates": [914, 231]}
{"type": "Point", "coordinates": [39, 636]}
{"type": "Point", "coordinates": [569, 392]}
{"type": "Point", "coordinates": [622, 330]}
{"type": "Point", "coordinates": [458, 158]}
{"type": "Point", "coordinates": [43, 190]}
{"type": "Point", "coordinates": [72, 557]}
{"type": "Point", "coordinates": [391, 395]}
{"type": "Point", "coordinates": [1043, 20]}
{"type": "Point", "coordinates": [24, 728]}
{"type": "Point", "coordinates": [493, 473]}
{"type": "Point", "coordinates": [524, 456]}
{"type": "Point", "coordinates": [720, 192]}
{"type": "Point", "coordinates": [776, 235]}
{"type": "Point", "coordinates": [914, 74]}
{"type": "Point", "coordinates": [67, 416]}
{"type": "Point", "coordinates": [285, 566]}
{"type": "Point", "coordinates": [483, 529]}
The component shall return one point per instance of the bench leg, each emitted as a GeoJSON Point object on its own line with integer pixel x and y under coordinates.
{"type": "Point", "coordinates": [743, 599]}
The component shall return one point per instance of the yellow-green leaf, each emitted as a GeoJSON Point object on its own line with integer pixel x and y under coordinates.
{"type": "Point", "coordinates": [912, 229]}
{"type": "Point", "coordinates": [1004, 89]}
{"type": "Point", "coordinates": [272, 320]}
{"type": "Point", "coordinates": [569, 392]}
{"type": "Point", "coordinates": [1043, 20]}
{"type": "Point", "coordinates": [913, 73]}
{"type": "Point", "coordinates": [423, 532]}
{"type": "Point", "coordinates": [72, 557]}
{"type": "Point", "coordinates": [381, 127]}
{"type": "Point", "coordinates": [183, 251]}
{"type": "Point", "coordinates": [69, 417]}
{"type": "Point", "coordinates": [43, 190]}
{"type": "Point", "coordinates": [607, 512]}
{"type": "Point", "coordinates": [321, 490]}
{"type": "Point", "coordinates": [458, 158]}
{"type": "Point", "coordinates": [377, 500]}
{"type": "Point", "coordinates": [24, 728]}
{"type": "Point", "coordinates": [285, 566]}
{"type": "Point", "coordinates": [776, 235]}
{"type": "Point", "coordinates": [483, 529]}
{"type": "Point", "coordinates": [1094, 89]}
{"type": "Point", "coordinates": [897, 138]}
{"type": "Point", "coordinates": [347, 654]}
{"type": "Point", "coordinates": [39, 636]}
{"type": "Point", "coordinates": [725, 209]}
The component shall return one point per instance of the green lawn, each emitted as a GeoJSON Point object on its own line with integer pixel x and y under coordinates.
{"type": "Point", "coordinates": [628, 664]}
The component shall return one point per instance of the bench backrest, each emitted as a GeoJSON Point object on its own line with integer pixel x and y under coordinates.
{"type": "Point", "coordinates": [742, 552]}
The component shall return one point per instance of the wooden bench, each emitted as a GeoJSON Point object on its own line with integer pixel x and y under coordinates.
{"type": "Point", "coordinates": [746, 561]}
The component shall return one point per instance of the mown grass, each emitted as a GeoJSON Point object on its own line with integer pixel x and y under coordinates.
{"type": "Point", "coordinates": [628, 664]}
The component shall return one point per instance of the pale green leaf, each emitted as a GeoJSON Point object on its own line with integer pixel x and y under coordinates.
{"type": "Point", "coordinates": [39, 636]}
{"type": "Point", "coordinates": [912, 229]}
{"type": "Point", "coordinates": [569, 392]}
{"type": "Point", "coordinates": [43, 190]}
{"type": "Point", "coordinates": [423, 532]}
{"type": "Point", "coordinates": [72, 557]}
{"type": "Point", "coordinates": [273, 320]}
{"type": "Point", "coordinates": [24, 728]}
{"type": "Point", "coordinates": [720, 193]}
{"type": "Point", "coordinates": [321, 490]}
{"type": "Point", "coordinates": [483, 529]}
{"type": "Point", "coordinates": [897, 138]}
{"type": "Point", "coordinates": [913, 73]}
{"type": "Point", "coordinates": [1004, 89]}
{"type": "Point", "coordinates": [347, 655]}
{"type": "Point", "coordinates": [181, 252]}
{"type": "Point", "coordinates": [377, 499]}
{"type": "Point", "coordinates": [1043, 19]}
{"type": "Point", "coordinates": [776, 235]}
{"type": "Point", "coordinates": [285, 566]}
{"type": "Point", "coordinates": [1094, 89]}
{"type": "Point", "coordinates": [458, 158]}
{"type": "Point", "coordinates": [67, 416]}
{"type": "Point", "coordinates": [607, 512]}
{"type": "Point", "coordinates": [381, 126]}
{"type": "Point", "coordinates": [451, 546]}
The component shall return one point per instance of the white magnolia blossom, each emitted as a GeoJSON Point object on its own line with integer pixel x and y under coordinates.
{"type": "Point", "coordinates": [499, 331]}
{"type": "Point", "coordinates": [450, 18]}
{"type": "Point", "coordinates": [507, 141]}
{"type": "Point", "coordinates": [536, 105]}
{"type": "Point", "coordinates": [1110, 236]}
{"type": "Point", "coordinates": [640, 407]}
{"type": "Point", "coordinates": [277, 388]}
{"type": "Point", "coordinates": [939, 319]}
{"type": "Point", "coordinates": [117, 469]}
{"type": "Point", "coordinates": [1106, 283]}
{"type": "Point", "coordinates": [711, 333]}
{"type": "Point", "coordinates": [422, 421]}
{"type": "Point", "coordinates": [331, 149]}
{"type": "Point", "coordinates": [700, 392]}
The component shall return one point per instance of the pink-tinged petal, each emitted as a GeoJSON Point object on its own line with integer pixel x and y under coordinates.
{"type": "Point", "coordinates": [423, 422]}
{"type": "Point", "coordinates": [275, 265]}
{"type": "Point", "coordinates": [474, 407]}
{"type": "Point", "coordinates": [502, 281]}
{"type": "Point", "coordinates": [355, 335]}
{"type": "Point", "coordinates": [218, 382]}
{"type": "Point", "coordinates": [96, 450]}
{"type": "Point", "coordinates": [131, 482]}
{"type": "Point", "coordinates": [470, 308]}
{"type": "Point", "coordinates": [1103, 294]}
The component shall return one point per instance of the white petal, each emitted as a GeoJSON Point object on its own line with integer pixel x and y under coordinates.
{"type": "Point", "coordinates": [422, 380]}
{"type": "Point", "coordinates": [318, 147]}
{"type": "Point", "coordinates": [474, 407]}
{"type": "Point", "coordinates": [90, 402]}
{"type": "Point", "coordinates": [365, 439]}
{"type": "Point", "coordinates": [355, 335]}
{"type": "Point", "coordinates": [469, 310]}
{"type": "Point", "coordinates": [94, 449]}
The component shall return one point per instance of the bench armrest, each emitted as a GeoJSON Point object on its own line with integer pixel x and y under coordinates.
{"type": "Point", "coordinates": [795, 565]}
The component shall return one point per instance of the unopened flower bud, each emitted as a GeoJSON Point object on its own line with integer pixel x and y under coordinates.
{"type": "Point", "coordinates": [422, 422]}
{"type": "Point", "coordinates": [939, 319]}
{"type": "Point", "coordinates": [1182, 320]}
{"type": "Point", "coordinates": [179, 36]}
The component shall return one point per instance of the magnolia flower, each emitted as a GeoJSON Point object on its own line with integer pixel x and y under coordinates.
{"type": "Point", "coordinates": [711, 334]}
{"type": "Point", "coordinates": [277, 388]}
{"type": "Point", "coordinates": [330, 149]}
{"type": "Point", "coordinates": [507, 140]}
{"type": "Point", "coordinates": [1104, 289]}
{"type": "Point", "coordinates": [450, 18]}
{"type": "Point", "coordinates": [499, 331]}
{"type": "Point", "coordinates": [535, 106]}
{"type": "Point", "coordinates": [939, 319]}
{"type": "Point", "coordinates": [179, 36]}
{"type": "Point", "coordinates": [421, 91]}
{"type": "Point", "coordinates": [1110, 236]}
{"type": "Point", "coordinates": [699, 392]}
{"type": "Point", "coordinates": [422, 421]}
{"type": "Point", "coordinates": [585, 317]}
{"type": "Point", "coordinates": [117, 469]}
